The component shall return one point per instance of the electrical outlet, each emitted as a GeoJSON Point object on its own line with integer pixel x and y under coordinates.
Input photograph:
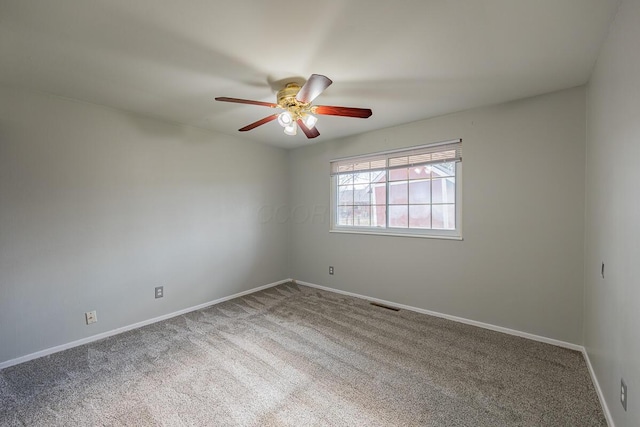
{"type": "Point", "coordinates": [91, 317]}
{"type": "Point", "coordinates": [159, 291]}
{"type": "Point", "coordinates": [331, 270]}
{"type": "Point", "coordinates": [623, 394]}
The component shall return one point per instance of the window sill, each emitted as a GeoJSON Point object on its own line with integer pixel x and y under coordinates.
{"type": "Point", "coordinates": [396, 234]}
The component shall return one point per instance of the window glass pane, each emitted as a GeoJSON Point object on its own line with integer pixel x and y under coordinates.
{"type": "Point", "coordinates": [362, 194]}
{"type": "Point", "coordinates": [378, 216]}
{"type": "Point", "coordinates": [420, 216]}
{"type": "Point", "coordinates": [361, 215]}
{"type": "Point", "coordinates": [345, 179]}
{"type": "Point", "coordinates": [345, 195]}
{"type": "Point", "coordinates": [345, 215]}
{"type": "Point", "coordinates": [444, 169]}
{"type": "Point", "coordinates": [379, 194]}
{"type": "Point", "coordinates": [444, 190]}
{"type": "Point", "coordinates": [398, 193]}
{"type": "Point", "coordinates": [444, 217]}
{"type": "Point", "coordinates": [419, 172]}
{"type": "Point", "coordinates": [398, 216]}
{"type": "Point", "coordinates": [379, 176]}
{"type": "Point", "coordinates": [420, 191]}
{"type": "Point", "coordinates": [361, 178]}
{"type": "Point", "coordinates": [398, 174]}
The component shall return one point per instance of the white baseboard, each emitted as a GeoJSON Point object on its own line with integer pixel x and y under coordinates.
{"type": "Point", "coordinates": [489, 326]}
{"type": "Point", "coordinates": [571, 346]}
{"type": "Point", "coordinates": [112, 332]}
{"type": "Point", "coordinates": [596, 384]}
{"type": "Point", "coordinates": [454, 318]}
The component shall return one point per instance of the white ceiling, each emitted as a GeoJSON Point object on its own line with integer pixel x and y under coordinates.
{"type": "Point", "coordinates": [406, 60]}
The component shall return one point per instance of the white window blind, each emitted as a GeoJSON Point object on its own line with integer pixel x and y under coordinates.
{"type": "Point", "coordinates": [449, 151]}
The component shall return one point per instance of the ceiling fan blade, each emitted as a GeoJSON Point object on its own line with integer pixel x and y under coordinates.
{"type": "Point", "coordinates": [311, 133]}
{"type": "Point", "coordinates": [361, 113]}
{"type": "Point", "coordinates": [259, 123]}
{"type": "Point", "coordinates": [316, 84]}
{"type": "Point", "coordinates": [246, 101]}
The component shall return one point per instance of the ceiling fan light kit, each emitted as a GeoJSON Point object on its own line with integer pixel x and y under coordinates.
{"type": "Point", "coordinates": [299, 112]}
{"type": "Point", "coordinates": [292, 129]}
{"type": "Point", "coordinates": [285, 119]}
{"type": "Point", "coordinates": [310, 120]}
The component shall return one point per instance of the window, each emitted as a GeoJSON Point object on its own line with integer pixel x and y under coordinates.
{"type": "Point", "coordinates": [414, 192]}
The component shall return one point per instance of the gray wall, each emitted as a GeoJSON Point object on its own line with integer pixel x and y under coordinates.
{"type": "Point", "coordinates": [520, 264]}
{"type": "Point", "coordinates": [612, 304]}
{"type": "Point", "coordinates": [97, 207]}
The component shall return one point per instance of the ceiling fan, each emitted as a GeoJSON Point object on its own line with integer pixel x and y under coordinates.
{"type": "Point", "coordinates": [298, 111]}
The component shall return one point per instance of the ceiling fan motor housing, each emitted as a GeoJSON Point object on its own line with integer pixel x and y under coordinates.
{"type": "Point", "coordinates": [287, 96]}
{"type": "Point", "coordinates": [287, 100]}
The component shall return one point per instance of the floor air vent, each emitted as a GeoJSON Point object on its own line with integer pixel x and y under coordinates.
{"type": "Point", "coordinates": [384, 306]}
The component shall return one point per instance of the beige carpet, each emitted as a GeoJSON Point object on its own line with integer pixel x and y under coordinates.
{"type": "Point", "coordinates": [296, 356]}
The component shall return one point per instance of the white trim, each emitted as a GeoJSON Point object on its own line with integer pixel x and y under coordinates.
{"type": "Point", "coordinates": [56, 349]}
{"type": "Point", "coordinates": [112, 332]}
{"type": "Point", "coordinates": [558, 343]}
{"type": "Point", "coordinates": [455, 234]}
{"type": "Point", "coordinates": [489, 326]}
{"type": "Point", "coordinates": [382, 233]}
{"type": "Point", "coordinates": [596, 384]}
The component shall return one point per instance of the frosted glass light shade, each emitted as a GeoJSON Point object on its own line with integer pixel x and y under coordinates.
{"type": "Point", "coordinates": [291, 129]}
{"type": "Point", "coordinates": [310, 121]}
{"type": "Point", "coordinates": [285, 119]}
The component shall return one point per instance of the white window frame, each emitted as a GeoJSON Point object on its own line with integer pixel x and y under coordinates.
{"type": "Point", "coordinates": [454, 234]}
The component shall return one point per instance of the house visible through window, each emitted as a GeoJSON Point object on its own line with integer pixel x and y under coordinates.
{"type": "Point", "coordinates": [415, 191]}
